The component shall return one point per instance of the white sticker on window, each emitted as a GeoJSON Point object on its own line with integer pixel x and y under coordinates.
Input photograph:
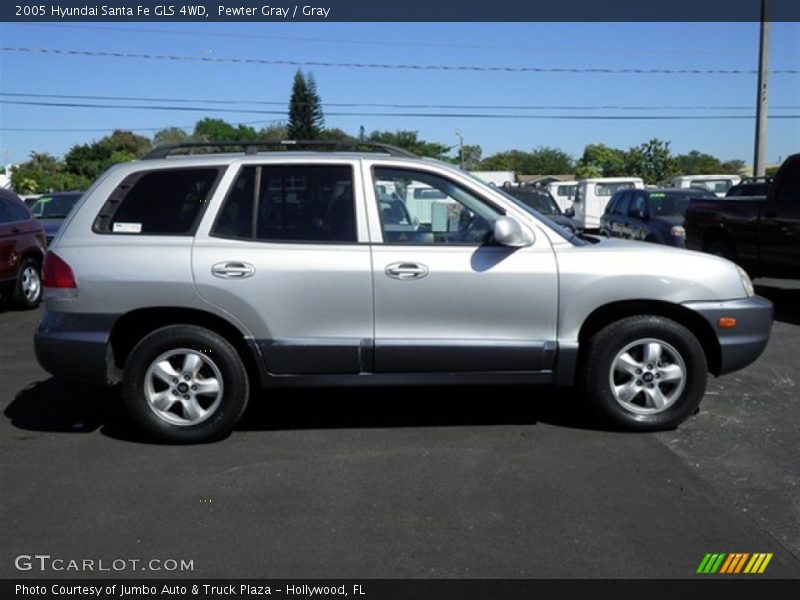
{"type": "Point", "coordinates": [127, 228]}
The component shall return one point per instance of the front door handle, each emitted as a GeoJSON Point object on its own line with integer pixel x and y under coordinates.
{"type": "Point", "coordinates": [405, 270]}
{"type": "Point", "coordinates": [233, 270]}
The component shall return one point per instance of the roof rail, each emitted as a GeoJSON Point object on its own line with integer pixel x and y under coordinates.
{"type": "Point", "coordinates": [251, 146]}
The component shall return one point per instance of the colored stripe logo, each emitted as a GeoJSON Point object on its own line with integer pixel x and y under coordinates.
{"type": "Point", "coordinates": [734, 563]}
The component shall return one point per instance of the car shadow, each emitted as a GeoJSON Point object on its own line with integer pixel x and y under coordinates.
{"type": "Point", "coordinates": [56, 405]}
{"type": "Point", "coordinates": [786, 302]}
{"type": "Point", "coordinates": [60, 405]}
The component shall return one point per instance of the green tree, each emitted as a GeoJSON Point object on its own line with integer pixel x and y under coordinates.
{"type": "Point", "coordinates": [470, 155]}
{"type": "Point", "coordinates": [599, 160]}
{"type": "Point", "coordinates": [171, 135]}
{"type": "Point", "coordinates": [732, 167]}
{"type": "Point", "coordinates": [89, 161]}
{"type": "Point", "coordinates": [410, 141]}
{"type": "Point", "coordinates": [544, 160]}
{"type": "Point", "coordinates": [510, 160]}
{"type": "Point", "coordinates": [218, 130]}
{"type": "Point", "coordinates": [273, 132]}
{"type": "Point", "coordinates": [45, 173]}
{"type": "Point", "coordinates": [306, 120]}
{"type": "Point", "coordinates": [550, 161]}
{"type": "Point", "coordinates": [697, 163]}
{"type": "Point", "coordinates": [651, 161]}
{"type": "Point", "coordinates": [335, 134]}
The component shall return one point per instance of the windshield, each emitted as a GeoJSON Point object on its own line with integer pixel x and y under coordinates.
{"type": "Point", "coordinates": [56, 206]}
{"type": "Point", "coordinates": [665, 204]}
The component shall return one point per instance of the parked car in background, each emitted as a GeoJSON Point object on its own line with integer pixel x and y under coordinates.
{"type": "Point", "coordinates": [22, 246]}
{"type": "Point", "coordinates": [191, 280]}
{"type": "Point", "coordinates": [592, 196]}
{"type": "Point", "coordinates": [30, 199]}
{"type": "Point", "coordinates": [563, 192]}
{"type": "Point", "coordinates": [649, 215]}
{"type": "Point", "coordinates": [752, 186]}
{"type": "Point", "coordinates": [719, 184]}
{"type": "Point", "coordinates": [540, 200]}
{"type": "Point", "coordinates": [52, 209]}
{"type": "Point", "coordinates": [762, 234]}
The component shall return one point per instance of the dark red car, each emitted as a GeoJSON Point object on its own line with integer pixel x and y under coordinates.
{"type": "Point", "coordinates": [22, 244]}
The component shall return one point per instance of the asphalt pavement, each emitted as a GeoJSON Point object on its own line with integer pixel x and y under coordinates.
{"type": "Point", "coordinates": [478, 482]}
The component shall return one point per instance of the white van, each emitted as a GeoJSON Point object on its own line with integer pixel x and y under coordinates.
{"type": "Point", "coordinates": [429, 207]}
{"type": "Point", "coordinates": [563, 192]}
{"type": "Point", "coordinates": [592, 195]}
{"type": "Point", "coordinates": [719, 184]}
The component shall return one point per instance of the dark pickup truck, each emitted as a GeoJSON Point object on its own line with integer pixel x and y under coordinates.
{"type": "Point", "coordinates": [760, 233]}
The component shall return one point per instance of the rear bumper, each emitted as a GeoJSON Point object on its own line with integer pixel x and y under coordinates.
{"type": "Point", "coordinates": [745, 342]}
{"type": "Point", "coordinates": [75, 346]}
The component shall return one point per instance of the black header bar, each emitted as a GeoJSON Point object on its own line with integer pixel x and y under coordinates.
{"type": "Point", "coordinates": [206, 11]}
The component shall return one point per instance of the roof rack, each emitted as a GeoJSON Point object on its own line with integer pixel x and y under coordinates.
{"type": "Point", "coordinates": [251, 147]}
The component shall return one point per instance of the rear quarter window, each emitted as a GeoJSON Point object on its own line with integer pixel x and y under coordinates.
{"type": "Point", "coordinates": [159, 202]}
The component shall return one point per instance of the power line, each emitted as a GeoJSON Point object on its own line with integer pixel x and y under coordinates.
{"type": "Point", "coordinates": [401, 114]}
{"type": "Point", "coordinates": [394, 105]}
{"type": "Point", "coordinates": [413, 67]}
{"type": "Point", "coordinates": [373, 42]}
{"type": "Point", "coordinates": [104, 129]}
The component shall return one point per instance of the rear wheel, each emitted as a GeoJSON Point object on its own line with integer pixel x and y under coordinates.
{"type": "Point", "coordinates": [28, 287]}
{"type": "Point", "coordinates": [185, 384]}
{"type": "Point", "coordinates": [645, 373]}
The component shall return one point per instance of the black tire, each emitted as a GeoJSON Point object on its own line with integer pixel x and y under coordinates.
{"type": "Point", "coordinates": [24, 296]}
{"type": "Point", "coordinates": [212, 349]}
{"type": "Point", "coordinates": [604, 347]}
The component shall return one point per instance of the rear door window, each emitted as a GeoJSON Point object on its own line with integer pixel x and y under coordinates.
{"type": "Point", "coordinates": [290, 203]}
{"type": "Point", "coordinates": [13, 212]}
{"type": "Point", "coordinates": [162, 202]}
{"type": "Point", "coordinates": [4, 217]}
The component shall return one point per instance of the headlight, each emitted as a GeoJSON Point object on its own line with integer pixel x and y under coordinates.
{"type": "Point", "coordinates": [678, 231]}
{"type": "Point", "coordinates": [748, 285]}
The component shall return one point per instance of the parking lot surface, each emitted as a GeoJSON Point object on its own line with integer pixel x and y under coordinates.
{"type": "Point", "coordinates": [488, 482]}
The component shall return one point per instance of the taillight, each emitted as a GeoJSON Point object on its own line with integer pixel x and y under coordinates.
{"type": "Point", "coordinates": [56, 273]}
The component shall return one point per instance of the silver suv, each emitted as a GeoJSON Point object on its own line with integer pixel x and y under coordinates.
{"type": "Point", "coordinates": [191, 279]}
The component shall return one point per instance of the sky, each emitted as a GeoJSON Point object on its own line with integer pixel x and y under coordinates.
{"type": "Point", "coordinates": [671, 46]}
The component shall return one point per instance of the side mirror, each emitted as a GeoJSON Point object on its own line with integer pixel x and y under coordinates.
{"type": "Point", "coordinates": [509, 232]}
{"type": "Point", "coordinates": [570, 212]}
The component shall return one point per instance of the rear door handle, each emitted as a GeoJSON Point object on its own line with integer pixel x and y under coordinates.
{"type": "Point", "coordinates": [405, 270]}
{"type": "Point", "coordinates": [233, 270]}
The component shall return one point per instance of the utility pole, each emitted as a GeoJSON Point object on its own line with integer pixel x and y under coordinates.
{"type": "Point", "coordinates": [759, 162]}
{"type": "Point", "coordinates": [460, 149]}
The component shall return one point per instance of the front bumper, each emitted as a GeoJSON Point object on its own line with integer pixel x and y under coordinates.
{"type": "Point", "coordinates": [744, 343]}
{"type": "Point", "coordinates": [75, 346]}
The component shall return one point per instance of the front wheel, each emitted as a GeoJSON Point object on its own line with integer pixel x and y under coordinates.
{"type": "Point", "coordinates": [185, 384]}
{"type": "Point", "coordinates": [645, 373]}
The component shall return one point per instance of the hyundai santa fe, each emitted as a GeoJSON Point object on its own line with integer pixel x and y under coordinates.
{"type": "Point", "coordinates": [192, 279]}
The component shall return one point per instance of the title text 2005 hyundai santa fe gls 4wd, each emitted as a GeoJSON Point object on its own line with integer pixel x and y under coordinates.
{"type": "Point", "coordinates": [193, 279]}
